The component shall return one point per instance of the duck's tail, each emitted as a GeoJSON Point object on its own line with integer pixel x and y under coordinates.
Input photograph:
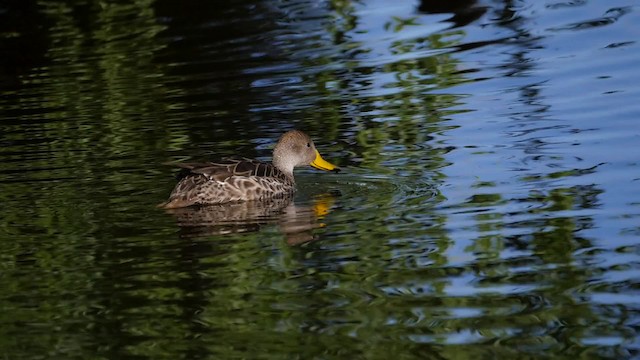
{"type": "Point", "coordinates": [174, 204]}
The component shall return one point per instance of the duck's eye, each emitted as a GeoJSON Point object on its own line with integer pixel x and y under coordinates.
{"type": "Point", "coordinates": [308, 144]}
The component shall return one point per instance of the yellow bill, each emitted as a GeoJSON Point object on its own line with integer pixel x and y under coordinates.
{"type": "Point", "coordinates": [322, 164]}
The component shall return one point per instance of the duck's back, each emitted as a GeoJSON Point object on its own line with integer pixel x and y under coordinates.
{"type": "Point", "coordinates": [228, 181]}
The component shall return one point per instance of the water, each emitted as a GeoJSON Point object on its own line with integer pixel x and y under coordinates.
{"type": "Point", "coordinates": [487, 208]}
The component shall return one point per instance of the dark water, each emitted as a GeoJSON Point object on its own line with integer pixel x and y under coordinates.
{"type": "Point", "coordinates": [488, 207]}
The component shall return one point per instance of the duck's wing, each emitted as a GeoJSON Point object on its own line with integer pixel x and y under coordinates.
{"type": "Point", "coordinates": [224, 169]}
{"type": "Point", "coordinates": [225, 181]}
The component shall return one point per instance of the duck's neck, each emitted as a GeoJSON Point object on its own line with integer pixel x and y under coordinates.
{"type": "Point", "coordinates": [285, 167]}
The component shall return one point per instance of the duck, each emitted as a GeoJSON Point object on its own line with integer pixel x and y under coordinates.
{"type": "Point", "coordinates": [238, 180]}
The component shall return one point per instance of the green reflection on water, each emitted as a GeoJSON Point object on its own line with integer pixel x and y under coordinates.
{"type": "Point", "coordinates": [90, 268]}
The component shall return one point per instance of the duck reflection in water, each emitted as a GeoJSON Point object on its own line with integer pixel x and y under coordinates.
{"type": "Point", "coordinates": [296, 222]}
{"type": "Point", "coordinates": [246, 189]}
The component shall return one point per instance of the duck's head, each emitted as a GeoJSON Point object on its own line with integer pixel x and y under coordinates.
{"type": "Point", "coordinates": [296, 148]}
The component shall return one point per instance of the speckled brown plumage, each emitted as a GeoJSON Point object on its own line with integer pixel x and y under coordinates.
{"type": "Point", "coordinates": [245, 179]}
{"type": "Point", "coordinates": [228, 181]}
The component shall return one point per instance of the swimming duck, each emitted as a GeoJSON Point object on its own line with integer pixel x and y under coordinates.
{"type": "Point", "coordinates": [245, 179]}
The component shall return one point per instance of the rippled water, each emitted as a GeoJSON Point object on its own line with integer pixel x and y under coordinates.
{"type": "Point", "coordinates": [487, 207]}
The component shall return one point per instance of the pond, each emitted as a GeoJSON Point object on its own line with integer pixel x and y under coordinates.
{"type": "Point", "coordinates": [487, 207]}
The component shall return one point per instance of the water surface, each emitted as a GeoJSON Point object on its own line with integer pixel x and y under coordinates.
{"type": "Point", "coordinates": [487, 207]}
